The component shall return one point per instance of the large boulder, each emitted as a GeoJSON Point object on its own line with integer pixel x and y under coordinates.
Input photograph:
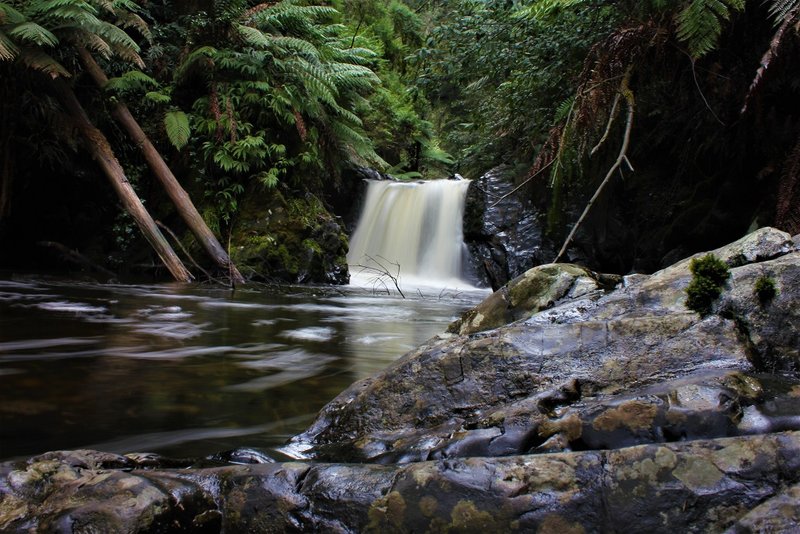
{"type": "Point", "coordinates": [453, 395]}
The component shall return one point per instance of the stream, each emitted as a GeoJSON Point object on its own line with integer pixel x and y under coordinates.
{"type": "Point", "coordinates": [188, 371]}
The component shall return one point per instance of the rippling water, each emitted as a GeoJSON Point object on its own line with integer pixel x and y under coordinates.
{"type": "Point", "coordinates": [189, 371]}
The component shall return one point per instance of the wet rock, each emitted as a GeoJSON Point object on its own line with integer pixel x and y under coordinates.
{"type": "Point", "coordinates": [502, 231]}
{"type": "Point", "coordinates": [435, 401]}
{"type": "Point", "coordinates": [87, 491]}
{"type": "Point", "coordinates": [780, 513]}
{"type": "Point", "coordinates": [536, 290]}
{"type": "Point", "coordinates": [698, 486]}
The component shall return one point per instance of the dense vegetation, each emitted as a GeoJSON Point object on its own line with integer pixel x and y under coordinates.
{"type": "Point", "coordinates": [683, 113]}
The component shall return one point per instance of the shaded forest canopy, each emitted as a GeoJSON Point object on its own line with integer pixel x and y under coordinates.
{"type": "Point", "coordinates": [686, 112]}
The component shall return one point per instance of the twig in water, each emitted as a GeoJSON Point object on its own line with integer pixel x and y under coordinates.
{"type": "Point", "coordinates": [381, 272]}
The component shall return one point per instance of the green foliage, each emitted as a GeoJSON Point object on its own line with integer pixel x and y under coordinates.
{"type": "Point", "coordinates": [709, 276]}
{"type": "Point", "coordinates": [176, 124]}
{"type": "Point", "coordinates": [765, 289]}
{"type": "Point", "coordinates": [700, 23]}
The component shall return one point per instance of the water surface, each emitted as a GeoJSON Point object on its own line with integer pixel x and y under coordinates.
{"type": "Point", "coordinates": [188, 371]}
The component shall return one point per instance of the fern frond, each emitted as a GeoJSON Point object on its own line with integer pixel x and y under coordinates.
{"type": "Point", "coordinates": [34, 34]}
{"type": "Point", "coordinates": [8, 50]}
{"type": "Point", "coordinates": [544, 9]}
{"type": "Point", "coordinates": [157, 97]}
{"type": "Point", "coordinates": [176, 124]}
{"type": "Point", "coordinates": [780, 9]}
{"type": "Point", "coordinates": [9, 15]}
{"type": "Point", "coordinates": [89, 40]}
{"type": "Point", "coordinates": [126, 19]}
{"type": "Point", "coordinates": [133, 80]}
{"type": "Point", "coordinates": [295, 44]}
{"type": "Point", "coordinates": [201, 56]}
{"type": "Point", "coordinates": [35, 59]}
{"type": "Point", "coordinates": [699, 23]}
{"type": "Point", "coordinates": [252, 36]}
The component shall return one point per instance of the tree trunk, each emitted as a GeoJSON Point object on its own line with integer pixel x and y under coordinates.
{"type": "Point", "coordinates": [98, 145]}
{"type": "Point", "coordinates": [171, 185]}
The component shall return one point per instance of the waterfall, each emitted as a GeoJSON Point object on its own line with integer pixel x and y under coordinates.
{"type": "Point", "coordinates": [413, 230]}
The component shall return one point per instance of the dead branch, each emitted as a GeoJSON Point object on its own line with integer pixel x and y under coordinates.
{"type": "Point", "coordinates": [382, 272]}
{"type": "Point", "coordinates": [621, 158]}
{"type": "Point", "coordinates": [611, 118]}
{"type": "Point", "coordinates": [520, 186]}
{"type": "Point", "coordinates": [186, 252]}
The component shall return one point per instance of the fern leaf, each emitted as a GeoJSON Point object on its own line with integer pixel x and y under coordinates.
{"type": "Point", "coordinates": [33, 34]}
{"type": "Point", "coordinates": [9, 15]}
{"type": "Point", "coordinates": [131, 81]}
{"type": "Point", "coordinates": [699, 23]}
{"type": "Point", "coordinates": [176, 124]}
{"type": "Point", "coordinates": [780, 9]}
{"type": "Point", "coordinates": [38, 60]}
{"type": "Point", "coordinates": [157, 97]}
{"type": "Point", "coordinates": [8, 50]}
{"type": "Point", "coordinates": [252, 36]}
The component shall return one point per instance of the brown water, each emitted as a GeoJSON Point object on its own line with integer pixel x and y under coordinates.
{"type": "Point", "coordinates": [190, 371]}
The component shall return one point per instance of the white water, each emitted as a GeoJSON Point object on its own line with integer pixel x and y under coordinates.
{"type": "Point", "coordinates": [413, 231]}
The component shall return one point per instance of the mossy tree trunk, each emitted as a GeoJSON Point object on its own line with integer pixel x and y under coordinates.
{"type": "Point", "coordinates": [175, 191]}
{"type": "Point", "coordinates": [100, 149]}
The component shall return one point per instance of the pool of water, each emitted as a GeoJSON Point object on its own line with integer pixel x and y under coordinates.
{"type": "Point", "coordinates": [188, 371]}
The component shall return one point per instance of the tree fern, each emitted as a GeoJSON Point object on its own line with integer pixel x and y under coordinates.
{"type": "Point", "coordinates": [700, 23]}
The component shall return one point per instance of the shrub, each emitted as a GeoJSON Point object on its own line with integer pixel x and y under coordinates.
{"type": "Point", "coordinates": [709, 274]}
{"type": "Point", "coordinates": [764, 289]}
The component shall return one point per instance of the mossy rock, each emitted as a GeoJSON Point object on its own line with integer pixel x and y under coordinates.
{"type": "Point", "coordinates": [535, 290]}
{"type": "Point", "coordinates": [293, 240]}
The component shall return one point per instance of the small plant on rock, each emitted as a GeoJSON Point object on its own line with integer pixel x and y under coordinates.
{"type": "Point", "coordinates": [709, 274]}
{"type": "Point", "coordinates": [765, 289]}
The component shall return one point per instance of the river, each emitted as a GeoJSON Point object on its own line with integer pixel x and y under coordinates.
{"type": "Point", "coordinates": [187, 371]}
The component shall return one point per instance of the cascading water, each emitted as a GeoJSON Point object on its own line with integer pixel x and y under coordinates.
{"type": "Point", "coordinates": [413, 231]}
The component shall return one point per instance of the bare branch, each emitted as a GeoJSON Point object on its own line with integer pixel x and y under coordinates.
{"type": "Point", "coordinates": [382, 272]}
{"type": "Point", "coordinates": [628, 94]}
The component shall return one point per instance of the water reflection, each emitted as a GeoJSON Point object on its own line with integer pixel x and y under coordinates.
{"type": "Point", "coordinates": [189, 371]}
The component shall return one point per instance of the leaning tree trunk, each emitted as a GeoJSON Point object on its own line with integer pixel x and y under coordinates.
{"type": "Point", "coordinates": [98, 145]}
{"type": "Point", "coordinates": [171, 185]}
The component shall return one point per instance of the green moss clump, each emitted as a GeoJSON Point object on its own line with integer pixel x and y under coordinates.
{"type": "Point", "coordinates": [765, 289]}
{"type": "Point", "coordinates": [709, 276]}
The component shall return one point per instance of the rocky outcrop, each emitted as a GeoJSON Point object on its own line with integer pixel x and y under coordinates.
{"type": "Point", "coordinates": [593, 410]}
{"type": "Point", "coordinates": [530, 386]}
{"type": "Point", "coordinates": [535, 290]}
{"type": "Point", "coordinates": [502, 230]}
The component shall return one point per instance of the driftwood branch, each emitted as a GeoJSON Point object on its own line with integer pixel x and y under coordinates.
{"type": "Point", "coordinates": [381, 272]}
{"type": "Point", "coordinates": [621, 158]}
